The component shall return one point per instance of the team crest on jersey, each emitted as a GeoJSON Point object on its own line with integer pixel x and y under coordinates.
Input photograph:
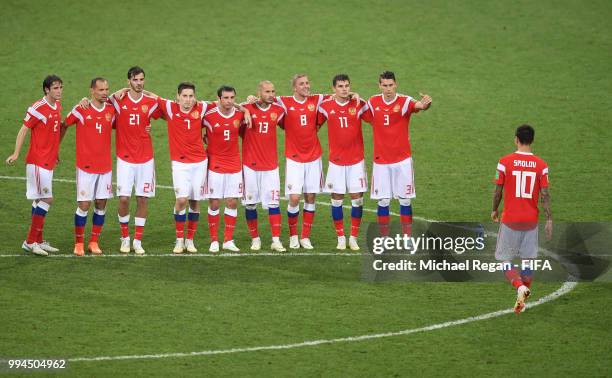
{"type": "Point", "coordinates": [352, 111]}
{"type": "Point", "coordinates": [145, 108]}
{"type": "Point", "coordinates": [236, 123]}
{"type": "Point", "coordinates": [273, 116]}
{"type": "Point", "coordinates": [311, 107]}
{"type": "Point", "coordinates": [195, 114]}
{"type": "Point", "coordinates": [396, 108]}
{"type": "Point", "coordinates": [108, 117]}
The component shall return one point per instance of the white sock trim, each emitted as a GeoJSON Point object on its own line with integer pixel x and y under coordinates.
{"type": "Point", "coordinates": [230, 212]}
{"type": "Point", "coordinates": [139, 221]}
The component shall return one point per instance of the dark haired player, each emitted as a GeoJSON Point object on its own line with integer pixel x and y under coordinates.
{"type": "Point", "coordinates": [392, 171]}
{"type": "Point", "coordinates": [43, 119]}
{"type": "Point", "coordinates": [525, 179]}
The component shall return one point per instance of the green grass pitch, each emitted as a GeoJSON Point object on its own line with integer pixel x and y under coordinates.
{"type": "Point", "coordinates": [488, 66]}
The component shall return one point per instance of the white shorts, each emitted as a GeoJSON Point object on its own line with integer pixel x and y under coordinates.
{"type": "Point", "coordinates": [92, 186]}
{"type": "Point", "coordinates": [38, 182]}
{"type": "Point", "coordinates": [516, 243]}
{"type": "Point", "coordinates": [189, 180]}
{"type": "Point", "coordinates": [224, 185]}
{"type": "Point", "coordinates": [138, 175]}
{"type": "Point", "coordinates": [393, 180]}
{"type": "Point", "coordinates": [303, 177]}
{"type": "Point", "coordinates": [261, 187]}
{"type": "Point", "coordinates": [343, 178]}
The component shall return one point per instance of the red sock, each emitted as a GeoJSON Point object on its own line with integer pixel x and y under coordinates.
{"type": "Point", "coordinates": [383, 225]}
{"type": "Point", "coordinates": [293, 221]}
{"type": "Point", "coordinates": [406, 221]}
{"type": "Point", "coordinates": [39, 237]}
{"type": "Point", "coordinates": [339, 224]}
{"type": "Point", "coordinates": [79, 234]}
{"type": "Point", "coordinates": [138, 231]}
{"type": "Point", "coordinates": [275, 224]}
{"type": "Point", "coordinates": [125, 232]}
{"type": "Point", "coordinates": [96, 230]}
{"type": "Point", "coordinates": [213, 226]}
{"type": "Point", "coordinates": [180, 229]}
{"type": "Point", "coordinates": [252, 226]}
{"type": "Point", "coordinates": [35, 228]}
{"type": "Point", "coordinates": [230, 222]}
{"type": "Point", "coordinates": [192, 226]}
{"type": "Point", "coordinates": [307, 218]}
{"type": "Point", "coordinates": [514, 277]}
{"type": "Point", "coordinates": [355, 223]}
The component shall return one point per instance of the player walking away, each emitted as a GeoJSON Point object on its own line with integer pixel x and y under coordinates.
{"type": "Point", "coordinates": [224, 168]}
{"type": "Point", "coordinates": [346, 171]}
{"type": "Point", "coordinates": [43, 119]}
{"type": "Point", "coordinates": [260, 165]}
{"type": "Point", "coordinates": [189, 161]}
{"type": "Point", "coordinates": [303, 170]}
{"type": "Point", "coordinates": [134, 149]}
{"type": "Point", "coordinates": [392, 171]}
{"type": "Point", "coordinates": [94, 163]}
{"type": "Point", "coordinates": [525, 177]}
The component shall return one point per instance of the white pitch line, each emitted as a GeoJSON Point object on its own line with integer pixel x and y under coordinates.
{"type": "Point", "coordinates": [564, 289]}
{"type": "Point", "coordinates": [246, 254]}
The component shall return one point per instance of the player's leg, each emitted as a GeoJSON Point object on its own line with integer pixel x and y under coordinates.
{"type": "Point", "coordinates": [357, 184]}
{"type": "Point", "coordinates": [294, 182]}
{"type": "Point", "coordinates": [104, 191]}
{"type": "Point", "coordinates": [145, 189]}
{"type": "Point", "coordinates": [270, 197]}
{"type": "Point", "coordinates": [528, 250]}
{"type": "Point", "coordinates": [86, 191]}
{"type": "Point", "coordinates": [229, 219]}
{"type": "Point", "coordinates": [215, 194]}
{"type": "Point", "coordinates": [38, 183]}
{"type": "Point", "coordinates": [313, 182]}
{"type": "Point", "coordinates": [335, 184]}
{"type": "Point", "coordinates": [181, 181]}
{"type": "Point", "coordinates": [193, 218]}
{"type": "Point", "coordinates": [197, 192]}
{"type": "Point", "coordinates": [506, 249]}
{"type": "Point", "coordinates": [402, 177]}
{"type": "Point", "coordinates": [252, 192]}
{"type": "Point", "coordinates": [125, 181]}
{"type": "Point", "coordinates": [380, 190]}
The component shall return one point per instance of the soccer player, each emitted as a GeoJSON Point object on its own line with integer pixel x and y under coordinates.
{"type": "Point", "coordinates": [392, 171]}
{"type": "Point", "coordinates": [224, 168]}
{"type": "Point", "coordinates": [260, 165]}
{"type": "Point", "coordinates": [43, 119]}
{"type": "Point", "coordinates": [346, 171]}
{"type": "Point", "coordinates": [303, 170]}
{"type": "Point", "coordinates": [189, 161]}
{"type": "Point", "coordinates": [134, 149]}
{"type": "Point", "coordinates": [525, 178]}
{"type": "Point", "coordinates": [93, 161]}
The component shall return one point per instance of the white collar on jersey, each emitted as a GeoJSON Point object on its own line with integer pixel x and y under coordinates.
{"type": "Point", "coordinates": [263, 109]}
{"type": "Point", "coordinates": [226, 116]}
{"type": "Point", "coordinates": [135, 101]}
{"type": "Point", "coordinates": [98, 110]}
{"type": "Point", "coordinates": [341, 104]}
{"type": "Point", "coordinates": [54, 106]}
{"type": "Point", "coordinates": [524, 153]}
{"type": "Point", "coordinates": [300, 102]}
{"type": "Point", "coordinates": [390, 102]}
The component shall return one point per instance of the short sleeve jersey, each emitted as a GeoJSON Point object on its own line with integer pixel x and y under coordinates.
{"type": "Point", "coordinates": [223, 134]}
{"type": "Point", "coordinates": [301, 140]}
{"type": "Point", "coordinates": [184, 131]}
{"type": "Point", "coordinates": [44, 121]}
{"type": "Point", "coordinates": [259, 146]}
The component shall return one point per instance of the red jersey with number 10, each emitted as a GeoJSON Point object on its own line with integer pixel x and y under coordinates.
{"type": "Point", "coordinates": [93, 137]}
{"type": "Point", "coordinates": [301, 141]}
{"type": "Point", "coordinates": [132, 141]}
{"type": "Point", "coordinates": [222, 134]}
{"type": "Point", "coordinates": [391, 128]}
{"type": "Point", "coordinates": [44, 121]}
{"type": "Point", "coordinates": [184, 131]}
{"type": "Point", "coordinates": [522, 175]}
{"type": "Point", "coordinates": [344, 129]}
{"type": "Point", "coordinates": [259, 148]}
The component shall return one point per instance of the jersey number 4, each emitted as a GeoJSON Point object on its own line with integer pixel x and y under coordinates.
{"type": "Point", "coordinates": [523, 179]}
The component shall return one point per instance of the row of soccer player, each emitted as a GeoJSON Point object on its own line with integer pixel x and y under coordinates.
{"type": "Point", "coordinates": [216, 172]}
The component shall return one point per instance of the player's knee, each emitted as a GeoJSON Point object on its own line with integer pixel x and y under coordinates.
{"type": "Point", "coordinates": [213, 204]}
{"type": "Point", "coordinates": [404, 201]}
{"type": "Point", "coordinates": [100, 204]}
{"type": "Point", "coordinates": [385, 202]}
{"type": "Point", "coordinates": [124, 200]}
{"type": "Point", "coordinates": [336, 202]}
{"type": "Point", "coordinates": [232, 203]}
{"type": "Point", "coordinates": [181, 203]}
{"type": "Point", "coordinates": [48, 201]}
{"type": "Point", "coordinates": [84, 205]}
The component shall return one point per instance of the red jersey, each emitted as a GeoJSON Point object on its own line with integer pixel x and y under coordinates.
{"type": "Point", "coordinates": [222, 134]}
{"type": "Point", "coordinates": [93, 137]}
{"type": "Point", "coordinates": [301, 141]}
{"type": "Point", "coordinates": [344, 129]}
{"type": "Point", "coordinates": [43, 120]}
{"type": "Point", "coordinates": [184, 131]}
{"type": "Point", "coordinates": [522, 175]}
{"type": "Point", "coordinates": [133, 143]}
{"type": "Point", "coordinates": [391, 123]}
{"type": "Point", "coordinates": [259, 149]}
